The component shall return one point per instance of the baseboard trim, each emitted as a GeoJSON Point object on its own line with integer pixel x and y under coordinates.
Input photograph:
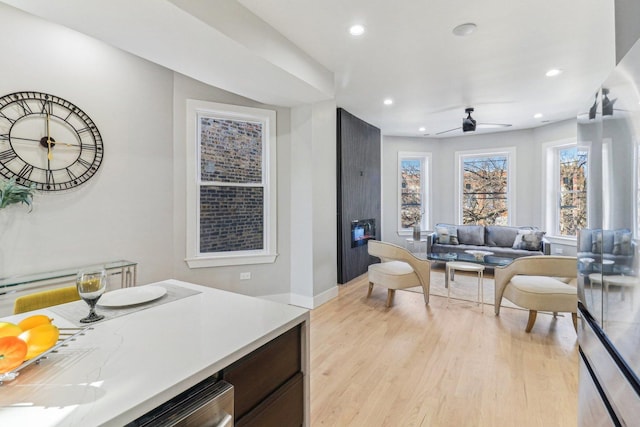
{"type": "Point", "coordinates": [304, 301]}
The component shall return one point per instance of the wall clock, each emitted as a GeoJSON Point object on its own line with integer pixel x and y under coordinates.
{"type": "Point", "coordinates": [47, 141]}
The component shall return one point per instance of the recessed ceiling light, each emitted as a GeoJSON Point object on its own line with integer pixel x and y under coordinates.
{"type": "Point", "coordinates": [356, 30]}
{"type": "Point", "coordinates": [422, 129]}
{"type": "Point", "coordinates": [537, 116]}
{"type": "Point", "coordinates": [388, 101]}
{"type": "Point", "coordinates": [553, 72]}
{"type": "Point", "coordinates": [465, 29]}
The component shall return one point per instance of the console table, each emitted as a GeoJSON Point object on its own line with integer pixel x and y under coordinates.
{"type": "Point", "coordinates": [15, 286]}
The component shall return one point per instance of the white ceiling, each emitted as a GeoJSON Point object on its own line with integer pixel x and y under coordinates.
{"type": "Point", "coordinates": [410, 54]}
{"type": "Point", "coordinates": [289, 52]}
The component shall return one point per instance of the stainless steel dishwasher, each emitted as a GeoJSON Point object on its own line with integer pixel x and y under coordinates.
{"type": "Point", "coordinates": [207, 404]}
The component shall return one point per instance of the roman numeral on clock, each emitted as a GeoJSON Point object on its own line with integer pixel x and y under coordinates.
{"type": "Point", "coordinates": [25, 172]}
{"type": "Point", "coordinates": [7, 155]}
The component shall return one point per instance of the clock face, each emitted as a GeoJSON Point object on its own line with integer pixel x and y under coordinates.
{"type": "Point", "coordinates": [47, 141]}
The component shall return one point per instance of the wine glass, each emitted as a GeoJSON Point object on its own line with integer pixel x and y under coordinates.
{"type": "Point", "coordinates": [91, 285]}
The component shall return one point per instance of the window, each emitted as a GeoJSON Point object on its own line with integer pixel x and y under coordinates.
{"type": "Point", "coordinates": [637, 188]}
{"type": "Point", "coordinates": [484, 187]}
{"type": "Point", "coordinates": [413, 169]}
{"type": "Point", "coordinates": [572, 185]}
{"type": "Point", "coordinates": [566, 175]}
{"type": "Point", "coordinates": [231, 215]}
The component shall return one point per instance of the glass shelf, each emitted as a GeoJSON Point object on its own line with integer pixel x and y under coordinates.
{"type": "Point", "coordinates": [127, 270]}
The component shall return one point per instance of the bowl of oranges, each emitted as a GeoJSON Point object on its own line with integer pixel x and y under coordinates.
{"type": "Point", "coordinates": [25, 341]}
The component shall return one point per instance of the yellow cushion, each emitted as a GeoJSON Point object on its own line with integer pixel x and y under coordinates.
{"type": "Point", "coordinates": [44, 299]}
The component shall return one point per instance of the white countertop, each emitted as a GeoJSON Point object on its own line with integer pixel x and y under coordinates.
{"type": "Point", "coordinates": [128, 365]}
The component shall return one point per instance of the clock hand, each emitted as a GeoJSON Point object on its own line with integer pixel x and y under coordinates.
{"type": "Point", "coordinates": [53, 142]}
{"type": "Point", "coordinates": [24, 139]}
{"type": "Point", "coordinates": [49, 153]}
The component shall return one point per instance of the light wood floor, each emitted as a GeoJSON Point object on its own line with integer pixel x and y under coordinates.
{"type": "Point", "coordinates": [438, 365]}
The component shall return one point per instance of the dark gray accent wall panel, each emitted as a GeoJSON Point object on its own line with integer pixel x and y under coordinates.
{"type": "Point", "coordinates": [358, 189]}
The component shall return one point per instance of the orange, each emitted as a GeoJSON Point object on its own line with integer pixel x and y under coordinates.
{"type": "Point", "coordinates": [39, 339]}
{"type": "Point", "coordinates": [12, 353]}
{"type": "Point", "coordinates": [8, 329]}
{"type": "Point", "coordinates": [33, 321]}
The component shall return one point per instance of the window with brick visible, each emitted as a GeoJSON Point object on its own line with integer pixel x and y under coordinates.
{"type": "Point", "coordinates": [565, 191]}
{"type": "Point", "coordinates": [232, 205]}
{"type": "Point", "coordinates": [572, 190]}
{"type": "Point", "coordinates": [485, 183]}
{"type": "Point", "coordinates": [413, 204]}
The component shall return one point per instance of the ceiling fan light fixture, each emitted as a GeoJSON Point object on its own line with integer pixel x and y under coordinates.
{"type": "Point", "coordinates": [465, 29]}
{"type": "Point", "coordinates": [468, 123]}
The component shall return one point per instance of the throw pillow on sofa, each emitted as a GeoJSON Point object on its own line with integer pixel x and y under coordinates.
{"type": "Point", "coordinates": [622, 242]}
{"type": "Point", "coordinates": [518, 241]}
{"type": "Point", "coordinates": [596, 243]}
{"type": "Point", "coordinates": [447, 234]}
{"type": "Point", "coordinates": [532, 241]}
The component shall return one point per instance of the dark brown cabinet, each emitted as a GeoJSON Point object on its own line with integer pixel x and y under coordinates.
{"type": "Point", "coordinates": [268, 383]}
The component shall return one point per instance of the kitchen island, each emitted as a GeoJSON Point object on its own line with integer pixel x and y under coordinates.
{"type": "Point", "coordinates": [127, 365]}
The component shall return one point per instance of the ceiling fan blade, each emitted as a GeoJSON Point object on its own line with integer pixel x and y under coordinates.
{"type": "Point", "coordinates": [493, 125]}
{"type": "Point", "coordinates": [449, 130]}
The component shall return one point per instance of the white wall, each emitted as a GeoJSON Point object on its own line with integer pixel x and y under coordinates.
{"type": "Point", "coordinates": [134, 207]}
{"type": "Point", "coordinates": [391, 146]}
{"type": "Point", "coordinates": [325, 242]}
{"type": "Point", "coordinates": [313, 204]}
{"type": "Point", "coordinates": [529, 179]}
{"type": "Point", "coordinates": [266, 279]}
{"type": "Point", "coordinates": [125, 210]}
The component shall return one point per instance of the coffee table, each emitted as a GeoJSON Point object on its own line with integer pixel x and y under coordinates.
{"type": "Point", "coordinates": [488, 261]}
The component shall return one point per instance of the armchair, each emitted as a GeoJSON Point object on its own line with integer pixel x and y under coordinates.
{"type": "Point", "coordinates": [398, 269]}
{"type": "Point", "coordinates": [545, 283]}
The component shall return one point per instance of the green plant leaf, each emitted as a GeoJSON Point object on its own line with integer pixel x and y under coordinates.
{"type": "Point", "coordinates": [11, 193]}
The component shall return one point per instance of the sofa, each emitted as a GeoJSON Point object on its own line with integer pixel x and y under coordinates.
{"type": "Point", "coordinates": [503, 241]}
{"type": "Point", "coordinates": [616, 246]}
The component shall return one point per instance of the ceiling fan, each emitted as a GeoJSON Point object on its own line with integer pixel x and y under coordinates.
{"type": "Point", "coordinates": [469, 124]}
{"type": "Point", "coordinates": [607, 105]}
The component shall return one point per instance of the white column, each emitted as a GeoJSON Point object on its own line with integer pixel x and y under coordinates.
{"type": "Point", "coordinates": [313, 204]}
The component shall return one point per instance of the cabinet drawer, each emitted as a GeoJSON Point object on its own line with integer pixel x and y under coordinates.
{"type": "Point", "coordinates": [257, 375]}
{"type": "Point", "coordinates": [284, 408]}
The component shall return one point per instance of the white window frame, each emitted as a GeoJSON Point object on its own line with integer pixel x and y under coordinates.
{"type": "Point", "coordinates": [607, 185]}
{"type": "Point", "coordinates": [425, 182]}
{"type": "Point", "coordinates": [510, 153]}
{"type": "Point", "coordinates": [195, 110]}
{"type": "Point", "coordinates": [636, 190]}
{"type": "Point", "coordinates": [551, 190]}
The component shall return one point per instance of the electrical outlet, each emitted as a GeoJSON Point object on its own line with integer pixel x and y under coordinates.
{"type": "Point", "coordinates": [558, 250]}
{"type": "Point", "coordinates": [245, 276]}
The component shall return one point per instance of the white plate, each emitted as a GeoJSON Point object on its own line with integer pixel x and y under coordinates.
{"type": "Point", "coordinates": [131, 296]}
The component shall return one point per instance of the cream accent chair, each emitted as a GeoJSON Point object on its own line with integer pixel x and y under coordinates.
{"type": "Point", "coordinates": [398, 269]}
{"type": "Point", "coordinates": [540, 282]}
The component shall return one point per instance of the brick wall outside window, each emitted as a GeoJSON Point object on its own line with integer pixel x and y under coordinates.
{"type": "Point", "coordinates": [231, 217]}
